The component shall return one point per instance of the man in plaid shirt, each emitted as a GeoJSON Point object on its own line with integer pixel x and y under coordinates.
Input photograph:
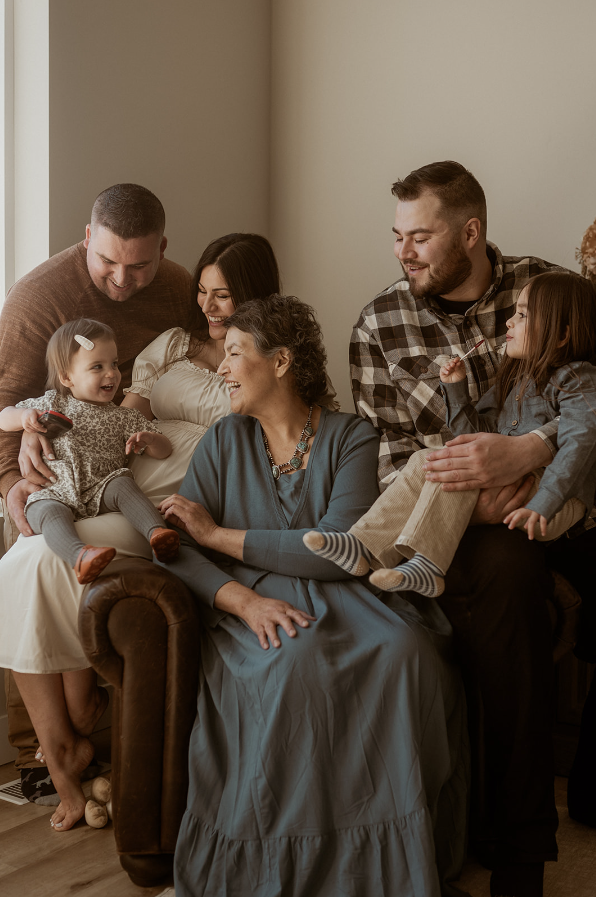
{"type": "Point", "coordinates": [459, 289]}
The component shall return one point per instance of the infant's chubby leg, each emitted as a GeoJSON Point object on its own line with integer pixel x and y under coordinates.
{"type": "Point", "coordinates": [55, 520]}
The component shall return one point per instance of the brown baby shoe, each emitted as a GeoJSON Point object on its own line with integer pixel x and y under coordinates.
{"type": "Point", "coordinates": [165, 544]}
{"type": "Point", "coordinates": [91, 561]}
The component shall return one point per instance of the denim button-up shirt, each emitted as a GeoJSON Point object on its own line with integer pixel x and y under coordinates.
{"type": "Point", "coordinates": [570, 395]}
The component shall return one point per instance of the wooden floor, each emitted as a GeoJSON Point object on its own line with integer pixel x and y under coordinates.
{"type": "Point", "coordinates": [37, 862]}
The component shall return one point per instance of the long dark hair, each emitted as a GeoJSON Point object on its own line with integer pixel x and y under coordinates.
{"type": "Point", "coordinates": [249, 267]}
{"type": "Point", "coordinates": [561, 328]}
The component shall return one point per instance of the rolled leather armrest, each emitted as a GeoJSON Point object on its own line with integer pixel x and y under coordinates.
{"type": "Point", "coordinates": [140, 630]}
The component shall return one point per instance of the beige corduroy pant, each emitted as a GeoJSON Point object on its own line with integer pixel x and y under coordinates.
{"type": "Point", "coordinates": [414, 516]}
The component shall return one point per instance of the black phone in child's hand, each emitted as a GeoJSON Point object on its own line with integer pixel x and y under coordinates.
{"type": "Point", "coordinates": [56, 424]}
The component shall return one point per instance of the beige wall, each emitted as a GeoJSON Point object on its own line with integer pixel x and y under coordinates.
{"type": "Point", "coordinates": [174, 96]}
{"type": "Point", "coordinates": [364, 93]}
{"type": "Point", "coordinates": [182, 97]}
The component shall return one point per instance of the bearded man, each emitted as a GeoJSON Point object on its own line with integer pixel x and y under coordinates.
{"type": "Point", "coordinates": [457, 290]}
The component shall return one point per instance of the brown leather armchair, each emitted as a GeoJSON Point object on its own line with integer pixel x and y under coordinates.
{"type": "Point", "coordinates": [140, 630]}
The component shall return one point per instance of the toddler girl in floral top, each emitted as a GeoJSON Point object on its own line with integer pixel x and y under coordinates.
{"type": "Point", "coordinates": [89, 463]}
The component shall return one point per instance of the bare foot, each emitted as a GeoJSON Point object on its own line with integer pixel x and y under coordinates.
{"type": "Point", "coordinates": [65, 770]}
{"type": "Point", "coordinates": [85, 723]}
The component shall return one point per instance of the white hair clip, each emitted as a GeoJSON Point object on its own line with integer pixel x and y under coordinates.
{"type": "Point", "coordinates": [84, 342]}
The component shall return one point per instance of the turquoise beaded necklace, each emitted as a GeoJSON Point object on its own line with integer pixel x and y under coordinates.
{"type": "Point", "coordinates": [295, 462]}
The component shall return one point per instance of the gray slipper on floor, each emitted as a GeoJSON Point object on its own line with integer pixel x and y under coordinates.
{"type": "Point", "coordinates": [37, 787]}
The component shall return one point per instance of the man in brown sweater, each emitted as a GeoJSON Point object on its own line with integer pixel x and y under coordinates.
{"type": "Point", "coordinates": [117, 275]}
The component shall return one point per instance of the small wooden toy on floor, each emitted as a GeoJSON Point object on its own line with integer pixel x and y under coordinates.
{"type": "Point", "coordinates": [99, 809]}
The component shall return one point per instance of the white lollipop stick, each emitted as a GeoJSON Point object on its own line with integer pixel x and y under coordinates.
{"type": "Point", "coordinates": [463, 356]}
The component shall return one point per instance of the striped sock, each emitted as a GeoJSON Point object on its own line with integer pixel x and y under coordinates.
{"type": "Point", "coordinates": [418, 575]}
{"type": "Point", "coordinates": [343, 549]}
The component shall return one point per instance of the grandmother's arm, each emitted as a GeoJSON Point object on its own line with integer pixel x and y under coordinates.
{"type": "Point", "coordinates": [353, 492]}
{"type": "Point", "coordinates": [225, 595]}
{"type": "Point", "coordinates": [218, 589]}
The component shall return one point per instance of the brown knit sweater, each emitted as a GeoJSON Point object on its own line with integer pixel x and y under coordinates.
{"type": "Point", "coordinates": [60, 290]}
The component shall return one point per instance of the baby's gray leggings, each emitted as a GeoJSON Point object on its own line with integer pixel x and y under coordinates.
{"type": "Point", "coordinates": [55, 519]}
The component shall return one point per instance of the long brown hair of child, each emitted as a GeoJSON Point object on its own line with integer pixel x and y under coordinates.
{"type": "Point", "coordinates": [561, 328]}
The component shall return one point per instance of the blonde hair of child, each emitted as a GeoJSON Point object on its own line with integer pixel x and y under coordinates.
{"type": "Point", "coordinates": [62, 348]}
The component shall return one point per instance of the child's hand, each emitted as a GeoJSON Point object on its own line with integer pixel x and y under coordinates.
{"type": "Point", "coordinates": [29, 421]}
{"type": "Point", "coordinates": [453, 372]}
{"type": "Point", "coordinates": [531, 518]}
{"type": "Point", "coordinates": [138, 442]}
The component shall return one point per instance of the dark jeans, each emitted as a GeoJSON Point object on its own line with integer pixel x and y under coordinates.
{"type": "Point", "coordinates": [495, 598]}
{"type": "Point", "coordinates": [576, 560]}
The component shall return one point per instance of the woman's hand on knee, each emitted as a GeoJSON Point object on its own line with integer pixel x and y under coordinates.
{"type": "Point", "coordinates": [262, 615]}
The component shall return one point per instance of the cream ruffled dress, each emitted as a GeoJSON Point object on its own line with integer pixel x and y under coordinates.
{"type": "Point", "coordinates": [39, 592]}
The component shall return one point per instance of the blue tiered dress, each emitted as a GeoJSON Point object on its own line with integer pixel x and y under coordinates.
{"type": "Point", "coordinates": [336, 764]}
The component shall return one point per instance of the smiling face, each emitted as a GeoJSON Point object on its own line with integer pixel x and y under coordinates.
{"type": "Point", "coordinates": [93, 375]}
{"type": "Point", "coordinates": [120, 268]}
{"type": "Point", "coordinates": [429, 249]}
{"type": "Point", "coordinates": [214, 300]}
{"type": "Point", "coordinates": [517, 328]}
{"type": "Point", "coordinates": [250, 377]}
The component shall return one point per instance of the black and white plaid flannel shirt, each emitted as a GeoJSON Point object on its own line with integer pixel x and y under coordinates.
{"type": "Point", "coordinates": [400, 343]}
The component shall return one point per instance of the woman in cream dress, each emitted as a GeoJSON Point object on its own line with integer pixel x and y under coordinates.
{"type": "Point", "coordinates": [174, 381]}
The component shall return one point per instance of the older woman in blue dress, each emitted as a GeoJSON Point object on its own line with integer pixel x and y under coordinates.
{"type": "Point", "coordinates": [328, 753]}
